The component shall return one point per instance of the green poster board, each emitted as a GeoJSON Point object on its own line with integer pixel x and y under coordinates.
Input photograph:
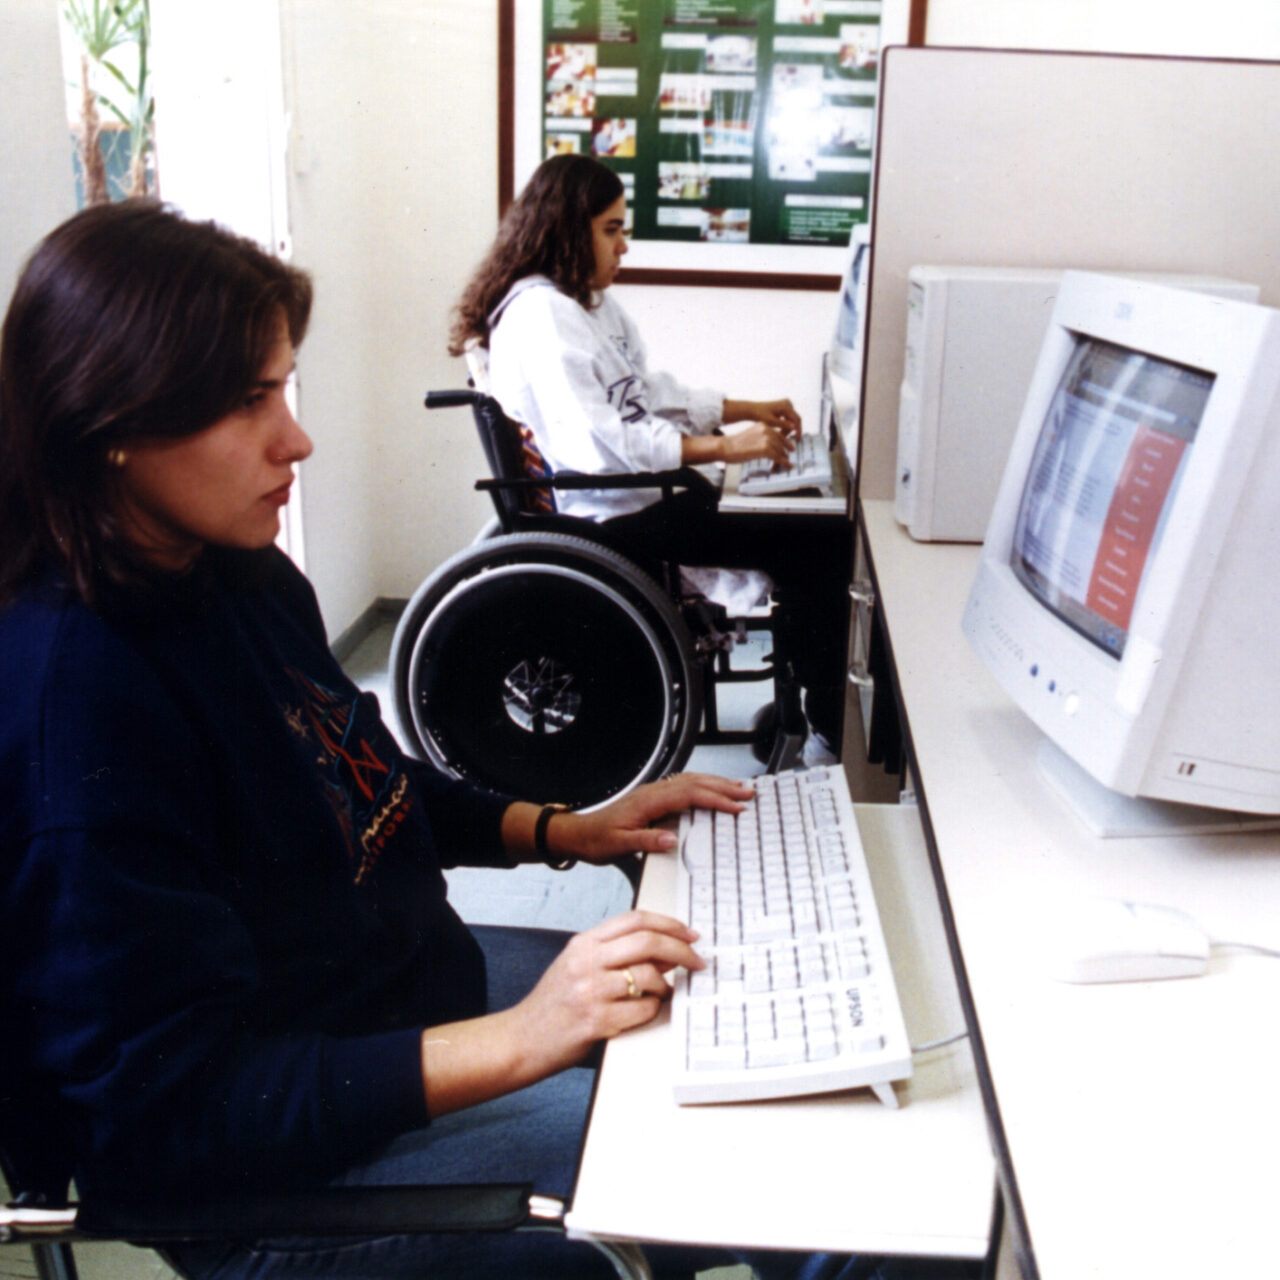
{"type": "Point", "coordinates": [746, 122]}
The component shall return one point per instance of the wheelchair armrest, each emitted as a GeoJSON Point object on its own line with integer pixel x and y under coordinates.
{"type": "Point", "coordinates": [450, 399]}
{"type": "Point", "coordinates": [334, 1211]}
{"type": "Point", "coordinates": [683, 478]}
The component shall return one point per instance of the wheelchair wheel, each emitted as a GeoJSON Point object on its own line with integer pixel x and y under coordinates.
{"type": "Point", "coordinates": [548, 667]}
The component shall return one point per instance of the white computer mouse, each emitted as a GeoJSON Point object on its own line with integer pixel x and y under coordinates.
{"type": "Point", "coordinates": [1113, 940]}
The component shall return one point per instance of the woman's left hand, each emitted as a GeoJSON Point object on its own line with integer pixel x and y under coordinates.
{"type": "Point", "coordinates": [771, 413]}
{"type": "Point", "coordinates": [623, 826]}
{"type": "Point", "coordinates": [780, 414]}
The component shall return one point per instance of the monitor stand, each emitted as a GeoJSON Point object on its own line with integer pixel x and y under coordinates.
{"type": "Point", "coordinates": [1110, 815]}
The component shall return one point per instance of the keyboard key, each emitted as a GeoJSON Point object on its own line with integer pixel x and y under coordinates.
{"type": "Point", "coordinates": [717, 1057]}
{"type": "Point", "coordinates": [759, 926]}
{"type": "Point", "coordinates": [776, 1053]}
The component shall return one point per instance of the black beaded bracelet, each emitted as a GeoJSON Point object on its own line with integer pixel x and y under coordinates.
{"type": "Point", "coordinates": [540, 838]}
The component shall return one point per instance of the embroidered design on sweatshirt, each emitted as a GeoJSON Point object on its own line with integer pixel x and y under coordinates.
{"type": "Point", "coordinates": [370, 797]}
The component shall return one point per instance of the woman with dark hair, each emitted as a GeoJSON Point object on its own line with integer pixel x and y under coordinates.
{"type": "Point", "coordinates": [566, 361]}
{"type": "Point", "coordinates": [224, 937]}
{"type": "Point", "coordinates": [226, 952]}
{"type": "Point", "coordinates": [547, 231]}
{"type": "Point", "coordinates": [148, 365]}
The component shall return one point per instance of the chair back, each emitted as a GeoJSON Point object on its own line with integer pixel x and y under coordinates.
{"type": "Point", "coordinates": [35, 1141]}
{"type": "Point", "coordinates": [509, 448]}
{"type": "Point", "coordinates": [512, 454]}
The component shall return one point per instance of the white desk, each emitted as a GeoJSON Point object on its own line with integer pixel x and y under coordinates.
{"type": "Point", "coordinates": [1141, 1119]}
{"type": "Point", "coordinates": [840, 1172]}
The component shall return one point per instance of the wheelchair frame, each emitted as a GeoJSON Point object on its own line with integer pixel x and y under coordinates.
{"type": "Point", "coordinates": [687, 644]}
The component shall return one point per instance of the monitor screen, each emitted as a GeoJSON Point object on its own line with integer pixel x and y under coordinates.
{"type": "Point", "coordinates": [850, 328]}
{"type": "Point", "coordinates": [1110, 453]}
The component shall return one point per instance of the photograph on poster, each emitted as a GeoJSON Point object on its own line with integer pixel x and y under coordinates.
{"type": "Point", "coordinates": [859, 47]}
{"type": "Point", "coordinates": [616, 137]}
{"type": "Point", "coordinates": [731, 226]}
{"type": "Point", "coordinates": [805, 12]}
{"type": "Point", "coordinates": [573, 98]}
{"type": "Point", "coordinates": [684, 93]}
{"type": "Point", "coordinates": [678, 181]}
{"type": "Point", "coordinates": [844, 129]}
{"type": "Point", "coordinates": [729, 138]}
{"type": "Point", "coordinates": [571, 62]}
{"type": "Point", "coordinates": [731, 54]}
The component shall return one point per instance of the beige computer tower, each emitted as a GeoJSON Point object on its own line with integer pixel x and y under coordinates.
{"type": "Point", "coordinates": [973, 336]}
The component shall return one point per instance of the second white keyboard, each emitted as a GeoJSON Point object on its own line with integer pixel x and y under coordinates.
{"type": "Point", "coordinates": [810, 469]}
{"type": "Point", "coordinates": [797, 996]}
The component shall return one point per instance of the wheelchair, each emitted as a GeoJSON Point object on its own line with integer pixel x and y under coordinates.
{"type": "Point", "coordinates": [549, 661]}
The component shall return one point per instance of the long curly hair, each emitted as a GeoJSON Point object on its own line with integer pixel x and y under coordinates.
{"type": "Point", "coordinates": [128, 321]}
{"type": "Point", "coordinates": [547, 231]}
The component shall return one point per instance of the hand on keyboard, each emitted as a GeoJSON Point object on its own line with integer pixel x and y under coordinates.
{"type": "Point", "coordinates": [770, 413]}
{"type": "Point", "coordinates": [809, 466]}
{"type": "Point", "coordinates": [605, 981]}
{"type": "Point", "coordinates": [771, 445]}
{"type": "Point", "coordinates": [625, 825]}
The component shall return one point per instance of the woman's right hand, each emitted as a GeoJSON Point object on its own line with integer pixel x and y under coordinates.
{"type": "Point", "coordinates": [757, 441]}
{"type": "Point", "coordinates": [606, 980]}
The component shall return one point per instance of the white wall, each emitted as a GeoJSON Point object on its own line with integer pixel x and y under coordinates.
{"type": "Point", "coordinates": [1224, 29]}
{"type": "Point", "coordinates": [393, 199]}
{"type": "Point", "coordinates": [219, 129]}
{"type": "Point", "coordinates": [751, 344]}
{"type": "Point", "coordinates": [38, 187]}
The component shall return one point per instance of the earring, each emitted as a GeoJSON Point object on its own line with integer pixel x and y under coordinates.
{"type": "Point", "coordinates": [117, 457]}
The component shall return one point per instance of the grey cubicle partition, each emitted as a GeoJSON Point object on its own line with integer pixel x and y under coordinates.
{"type": "Point", "coordinates": [994, 157]}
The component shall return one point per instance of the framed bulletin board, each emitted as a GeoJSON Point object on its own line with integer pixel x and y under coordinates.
{"type": "Point", "coordinates": [741, 129]}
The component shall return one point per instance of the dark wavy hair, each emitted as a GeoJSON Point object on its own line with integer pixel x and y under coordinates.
{"type": "Point", "coordinates": [547, 231]}
{"type": "Point", "coordinates": [127, 321]}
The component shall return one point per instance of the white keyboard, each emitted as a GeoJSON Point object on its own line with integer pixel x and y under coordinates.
{"type": "Point", "coordinates": [810, 469]}
{"type": "Point", "coordinates": [797, 996]}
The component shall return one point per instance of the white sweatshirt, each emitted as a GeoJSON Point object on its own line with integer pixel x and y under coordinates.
{"type": "Point", "coordinates": [577, 378]}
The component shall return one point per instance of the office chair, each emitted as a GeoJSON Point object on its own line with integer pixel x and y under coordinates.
{"type": "Point", "coordinates": [36, 1161]}
{"type": "Point", "coordinates": [554, 662]}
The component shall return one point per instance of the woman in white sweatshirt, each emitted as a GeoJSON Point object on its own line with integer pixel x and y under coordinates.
{"type": "Point", "coordinates": [566, 361]}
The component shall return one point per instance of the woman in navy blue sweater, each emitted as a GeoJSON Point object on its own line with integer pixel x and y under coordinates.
{"type": "Point", "coordinates": [224, 938]}
{"type": "Point", "coordinates": [226, 944]}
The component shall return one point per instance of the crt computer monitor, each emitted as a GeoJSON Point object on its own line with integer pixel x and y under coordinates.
{"type": "Point", "coordinates": [844, 357]}
{"type": "Point", "coordinates": [1126, 596]}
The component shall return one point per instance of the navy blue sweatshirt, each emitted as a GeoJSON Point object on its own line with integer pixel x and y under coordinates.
{"type": "Point", "coordinates": [223, 921]}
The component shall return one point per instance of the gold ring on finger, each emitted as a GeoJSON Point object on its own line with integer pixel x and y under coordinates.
{"type": "Point", "coordinates": [633, 990]}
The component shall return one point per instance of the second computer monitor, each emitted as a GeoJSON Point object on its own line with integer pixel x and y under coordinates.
{"type": "Point", "coordinates": [1124, 595]}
